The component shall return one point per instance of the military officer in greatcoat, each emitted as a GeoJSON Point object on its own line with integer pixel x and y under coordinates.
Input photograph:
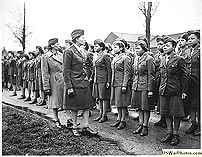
{"type": "Point", "coordinates": [52, 78]}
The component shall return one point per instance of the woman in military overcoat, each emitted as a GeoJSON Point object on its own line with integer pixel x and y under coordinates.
{"type": "Point", "coordinates": [52, 78]}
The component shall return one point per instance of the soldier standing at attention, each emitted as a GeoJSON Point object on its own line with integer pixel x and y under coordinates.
{"type": "Point", "coordinates": [12, 72]}
{"type": "Point", "coordinates": [21, 69]}
{"type": "Point", "coordinates": [120, 91]}
{"type": "Point", "coordinates": [52, 78]}
{"type": "Point", "coordinates": [38, 80]}
{"type": "Point", "coordinates": [142, 86]}
{"type": "Point", "coordinates": [77, 82]}
{"type": "Point", "coordinates": [102, 79]}
{"type": "Point", "coordinates": [157, 60]}
{"type": "Point", "coordinates": [172, 90]}
{"type": "Point", "coordinates": [194, 83]}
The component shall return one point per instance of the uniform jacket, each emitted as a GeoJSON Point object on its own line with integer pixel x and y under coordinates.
{"type": "Point", "coordinates": [12, 68]}
{"type": "Point", "coordinates": [75, 68]}
{"type": "Point", "coordinates": [38, 66]}
{"type": "Point", "coordinates": [25, 70]}
{"type": "Point", "coordinates": [103, 70]}
{"type": "Point", "coordinates": [31, 70]}
{"type": "Point", "coordinates": [19, 68]}
{"type": "Point", "coordinates": [173, 76]}
{"type": "Point", "coordinates": [143, 73]}
{"type": "Point", "coordinates": [52, 77]}
{"type": "Point", "coordinates": [120, 70]}
{"type": "Point", "coordinates": [193, 66]}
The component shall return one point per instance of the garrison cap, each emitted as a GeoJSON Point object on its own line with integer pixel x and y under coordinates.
{"type": "Point", "coordinates": [52, 41]}
{"type": "Point", "coordinates": [76, 33]}
{"type": "Point", "coordinates": [170, 39]}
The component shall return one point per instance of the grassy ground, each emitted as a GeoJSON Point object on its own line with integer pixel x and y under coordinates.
{"type": "Point", "coordinates": [27, 134]}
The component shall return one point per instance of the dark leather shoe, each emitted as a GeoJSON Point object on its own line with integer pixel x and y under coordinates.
{"type": "Point", "coordinates": [122, 125]}
{"type": "Point", "coordinates": [42, 103]}
{"type": "Point", "coordinates": [167, 138]}
{"type": "Point", "coordinates": [138, 130]}
{"type": "Point", "coordinates": [28, 99]}
{"type": "Point", "coordinates": [89, 130]}
{"type": "Point", "coordinates": [103, 119]}
{"type": "Point", "coordinates": [197, 131]}
{"type": "Point", "coordinates": [192, 129]}
{"type": "Point", "coordinates": [144, 131]}
{"type": "Point", "coordinates": [14, 94]}
{"type": "Point", "coordinates": [22, 97]}
{"type": "Point", "coordinates": [98, 118]}
{"type": "Point", "coordinates": [115, 124]}
{"type": "Point", "coordinates": [33, 101]}
{"type": "Point", "coordinates": [175, 140]}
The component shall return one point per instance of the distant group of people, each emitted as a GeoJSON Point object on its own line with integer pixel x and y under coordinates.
{"type": "Point", "coordinates": [76, 77]}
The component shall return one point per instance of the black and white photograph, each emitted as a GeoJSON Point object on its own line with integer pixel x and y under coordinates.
{"type": "Point", "coordinates": [100, 77]}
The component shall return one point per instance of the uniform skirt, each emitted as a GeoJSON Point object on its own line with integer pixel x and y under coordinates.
{"type": "Point", "coordinates": [141, 101]}
{"type": "Point", "coordinates": [81, 100]}
{"type": "Point", "coordinates": [118, 98]}
{"type": "Point", "coordinates": [171, 106]}
{"type": "Point", "coordinates": [19, 81]}
{"type": "Point", "coordinates": [100, 91]}
{"type": "Point", "coordinates": [12, 79]}
{"type": "Point", "coordinates": [25, 84]}
{"type": "Point", "coordinates": [40, 83]}
{"type": "Point", "coordinates": [193, 97]}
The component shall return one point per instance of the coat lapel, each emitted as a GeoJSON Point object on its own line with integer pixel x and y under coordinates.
{"type": "Point", "coordinates": [196, 51]}
{"type": "Point", "coordinates": [76, 51]}
{"type": "Point", "coordinates": [171, 60]}
{"type": "Point", "coordinates": [58, 57]}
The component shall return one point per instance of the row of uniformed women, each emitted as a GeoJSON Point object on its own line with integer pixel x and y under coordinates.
{"type": "Point", "coordinates": [173, 84]}
{"type": "Point", "coordinates": [125, 72]}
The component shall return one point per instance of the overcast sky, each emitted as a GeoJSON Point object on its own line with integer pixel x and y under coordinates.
{"type": "Point", "coordinates": [58, 18]}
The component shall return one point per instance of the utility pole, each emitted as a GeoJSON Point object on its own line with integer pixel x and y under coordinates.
{"type": "Point", "coordinates": [24, 29]}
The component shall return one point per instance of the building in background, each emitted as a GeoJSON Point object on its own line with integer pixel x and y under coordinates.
{"type": "Point", "coordinates": [132, 39]}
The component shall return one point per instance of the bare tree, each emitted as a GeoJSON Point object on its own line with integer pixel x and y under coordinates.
{"type": "Point", "coordinates": [19, 27]}
{"type": "Point", "coordinates": [148, 9]}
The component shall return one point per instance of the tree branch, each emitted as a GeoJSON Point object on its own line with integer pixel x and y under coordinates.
{"type": "Point", "coordinates": [142, 8]}
{"type": "Point", "coordinates": [14, 33]}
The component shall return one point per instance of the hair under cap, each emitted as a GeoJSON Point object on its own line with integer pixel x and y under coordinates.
{"type": "Point", "coordinates": [119, 42]}
{"type": "Point", "coordinates": [52, 41]}
{"type": "Point", "coordinates": [184, 36]}
{"type": "Point", "coordinates": [76, 33]}
{"type": "Point", "coordinates": [197, 33]}
{"type": "Point", "coordinates": [170, 39]}
{"type": "Point", "coordinates": [159, 38]}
